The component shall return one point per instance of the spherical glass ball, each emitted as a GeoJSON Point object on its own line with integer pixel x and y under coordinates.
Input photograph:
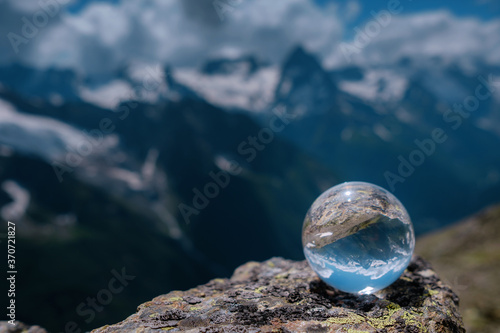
{"type": "Point", "coordinates": [358, 237]}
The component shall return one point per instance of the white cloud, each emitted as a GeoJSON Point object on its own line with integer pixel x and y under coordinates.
{"type": "Point", "coordinates": [30, 6]}
{"type": "Point", "coordinates": [25, 22]}
{"type": "Point", "coordinates": [103, 37]}
{"type": "Point", "coordinates": [96, 21]}
{"type": "Point", "coordinates": [352, 10]}
{"type": "Point", "coordinates": [426, 35]}
{"type": "Point", "coordinates": [108, 96]}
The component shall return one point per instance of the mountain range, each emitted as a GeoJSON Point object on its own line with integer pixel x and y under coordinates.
{"type": "Point", "coordinates": [181, 174]}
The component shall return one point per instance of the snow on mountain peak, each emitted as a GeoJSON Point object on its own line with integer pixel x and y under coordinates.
{"type": "Point", "coordinates": [233, 89]}
{"type": "Point", "coordinates": [41, 136]}
{"type": "Point", "coordinates": [377, 85]}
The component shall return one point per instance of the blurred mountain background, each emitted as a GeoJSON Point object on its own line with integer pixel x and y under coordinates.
{"type": "Point", "coordinates": [176, 140]}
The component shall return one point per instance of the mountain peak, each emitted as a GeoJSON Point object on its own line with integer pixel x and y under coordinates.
{"type": "Point", "coordinates": [304, 79]}
{"type": "Point", "coordinates": [300, 56]}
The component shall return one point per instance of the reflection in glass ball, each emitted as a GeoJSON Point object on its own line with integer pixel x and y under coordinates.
{"type": "Point", "coordinates": [358, 237]}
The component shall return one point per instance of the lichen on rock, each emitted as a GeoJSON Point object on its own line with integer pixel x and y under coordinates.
{"type": "Point", "coordinates": [281, 295]}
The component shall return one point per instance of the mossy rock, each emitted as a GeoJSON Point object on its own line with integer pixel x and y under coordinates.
{"type": "Point", "coordinates": [280, 295]}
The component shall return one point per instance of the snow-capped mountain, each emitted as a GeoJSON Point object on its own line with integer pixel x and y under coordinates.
{"type": "Point", "coordinates": [243, 84]}
{"type": "Point", "coordinates": [83, 161]}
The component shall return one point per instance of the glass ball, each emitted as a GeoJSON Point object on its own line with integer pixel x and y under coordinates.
{"type": "Point", "coordinates": [358, 237]}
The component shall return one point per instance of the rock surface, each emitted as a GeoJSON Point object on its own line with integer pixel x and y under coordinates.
{"type": "Point", "coordinates": [280, 295]}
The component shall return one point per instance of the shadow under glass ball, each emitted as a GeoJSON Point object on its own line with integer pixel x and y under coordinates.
{"type": "Point", "coordinates": [358, 237]}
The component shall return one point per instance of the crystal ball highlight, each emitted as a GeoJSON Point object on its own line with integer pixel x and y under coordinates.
{"type": "Point", "coordinates": [358, 237]}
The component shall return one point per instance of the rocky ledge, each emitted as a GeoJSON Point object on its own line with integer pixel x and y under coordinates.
{"type": "Point", "coordinates": [280, 295]}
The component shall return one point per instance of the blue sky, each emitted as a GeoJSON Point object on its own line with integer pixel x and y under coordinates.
{"type": "Point", "coordinates": [485, 9]}
{"type": "Point", "coordinates": [79, 5]}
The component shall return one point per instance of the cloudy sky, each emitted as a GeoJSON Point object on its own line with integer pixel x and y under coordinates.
{"type": "Point", "coordinates": [102, 36]}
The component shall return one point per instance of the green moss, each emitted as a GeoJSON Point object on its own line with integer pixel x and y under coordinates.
{"type": "Point", "coordinates": [432, 292]}
{"type": "Point", "coordinates": [259, 290]}
{"type": "Point", "coordinates": [351, 318]}
{"type": "Point", "coordinates": [175, 299]}
{"type": "Point", "coordinates": [404, 278]}
{"type": "Point", "coordinates": [411, 320]}
{"type": "Point", "coordinates": [409, 317]}
{"type": "Point", "coordinates": [282, 276]}
{"type": "Point", "coordinates": [380, 322]}
{"type": "Point", "coordinates": [387, 319]}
